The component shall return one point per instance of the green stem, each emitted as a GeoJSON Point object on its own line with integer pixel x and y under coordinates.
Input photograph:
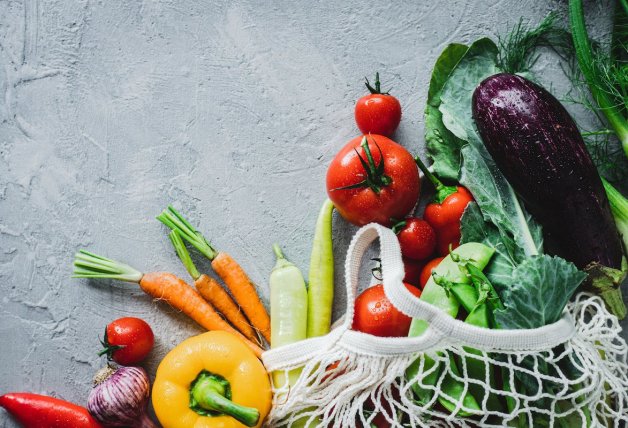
{"type": "Point", "coordinates": [184, 254]}
{"type": "Point", "coordinates": [212, 393]}
{"type": "Point", "coordinates": [175, 221]}
{"type": "Point", "coordinates": [600, 132]}
{"type": "Point", "coordinates": [588, 66]}
{"type": "Point", "coordinates": [619, 208]}
{"type": "Point", "coordinates": [377, 88]}
{"type": "Point", "coordinates": [282, 262]}
{"type": "Point", "coordinates": [442, 191]}
{"type": "Point", "coordinates": [90, 265]}
{"type": "Point", "coordinates": [375, 177]}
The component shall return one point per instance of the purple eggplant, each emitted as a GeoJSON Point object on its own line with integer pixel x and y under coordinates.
{"type": "Point", "coordinates": [537, 146]}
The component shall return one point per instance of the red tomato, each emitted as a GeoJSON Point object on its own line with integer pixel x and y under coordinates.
{"type": "Point", "coordinates": [448, 238]}
{"type": "Point", "coordinates": [387, 189]}
{"type": "Point", "coordinates": [426, 273]}
{"type": "Point", "coordinates": [128, 340]}
{"type": "Point", "coordinates": [377, 113]}
{"type": "Point", "coordinates": [412, 269]}
{"type": "Point", "coordinates": [417, 239]}
{"type": "Point", "coordinates": [374, 314]}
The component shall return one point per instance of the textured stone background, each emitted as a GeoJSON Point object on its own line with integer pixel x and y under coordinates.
{"type": "Point", "coordinates": [111, 110]}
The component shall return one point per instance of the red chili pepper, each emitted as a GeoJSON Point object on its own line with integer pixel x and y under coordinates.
{"type": "Point", "coordinates": [445, 212]}
{"type": "Point", "coordinates": [40, 411]}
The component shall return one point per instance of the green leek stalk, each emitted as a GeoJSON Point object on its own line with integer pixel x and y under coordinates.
{"type": "Point", "coordinates": [619, 208]}
{"type": "Point", "coordinates": [591, 72]}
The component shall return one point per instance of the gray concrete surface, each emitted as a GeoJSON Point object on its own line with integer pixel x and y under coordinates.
{"type": "Point", "coordinates": [111, 110]}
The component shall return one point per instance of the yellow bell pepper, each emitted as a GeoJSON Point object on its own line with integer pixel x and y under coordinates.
{"type": "Point", "coordinates": [211, 380]}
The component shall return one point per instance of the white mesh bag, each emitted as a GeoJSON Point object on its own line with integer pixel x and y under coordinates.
{"type": "Point", "coordinates": [568, 374]}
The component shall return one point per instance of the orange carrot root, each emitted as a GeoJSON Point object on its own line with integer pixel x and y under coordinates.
{"type": "Point", "coordinates": [176, 292]}
{"type": "Point", "coordinates": [215, 294]}
{"type": "Point", "coordinates": [243, 291]}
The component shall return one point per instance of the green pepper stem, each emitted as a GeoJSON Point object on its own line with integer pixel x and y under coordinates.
{"type": "Point", "coordinates": [282, 262]}
{"type": "Point", "coordinates": [175, 221]}
{"type": "Point", "coordinates": [278, 252]}
{"type": "Point", "coordinates": [442, 191]}
{"type": "Point", "coordinates": [210, 395]}
{"type": "Point", "coordinates": [184, 254]}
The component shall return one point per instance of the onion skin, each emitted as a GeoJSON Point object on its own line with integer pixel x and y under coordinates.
{"type": "Point", "coordinates": [120, 397]}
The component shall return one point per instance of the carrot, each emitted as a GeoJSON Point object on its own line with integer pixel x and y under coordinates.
{"type": "Point", "coordinates": [240, 285]}
{"type": "Point", "coordinates": [243, 291]}
{"type": "Point", "coordinates": [161, 285]}
{"type": "Point", "coordinates": [212, 291]}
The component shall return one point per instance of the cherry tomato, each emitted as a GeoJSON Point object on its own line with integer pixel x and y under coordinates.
{"type": "Point", "coordinates": [128, 340]}
{"type": "Point", "coordinates": [445, 218]}
{"type": "Point", "coordinates": [416, 238]}
{"type": "Point", "coordinates": [426, 273]}
{"type": "Point", "coordinates": [412, 269]}
{"type": "Point", "coordinates": [377, 113]}
{"type": "Point", "coordinates": [374, 314]}
{"type": "Point", "coordinates": [373, 179]}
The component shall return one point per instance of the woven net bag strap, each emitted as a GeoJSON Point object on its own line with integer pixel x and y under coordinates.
{"type": "Point", "coordinates": [441, 324]}
{"type": "Point", "coordinates": [300, 352]}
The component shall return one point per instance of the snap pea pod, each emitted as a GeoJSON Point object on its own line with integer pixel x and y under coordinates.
{"type": "Point", "coordinates": [478, 255]}
{"type": "Point", "coordinates": [474, 298]}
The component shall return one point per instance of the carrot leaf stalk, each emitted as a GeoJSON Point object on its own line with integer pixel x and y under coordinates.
{"type": "Point", "coordinates": [90, 265]}
{"type": "Point", "coordinates": [175, 221]}
{"type": "Point", "coordinates": [184, 255]}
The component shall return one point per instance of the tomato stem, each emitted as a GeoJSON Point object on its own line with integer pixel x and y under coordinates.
{"type": "Point", "coordinates": [442, 191]}
{"type": "Point", "coordinates": [375, 177]}
{"type": "Point", "coordinates": [398, 226]}
{"type": "Point", "coordinates": [377, 89]}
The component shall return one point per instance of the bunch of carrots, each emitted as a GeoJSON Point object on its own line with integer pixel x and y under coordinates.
{"type": "Point", "coordinates": [244, 314]}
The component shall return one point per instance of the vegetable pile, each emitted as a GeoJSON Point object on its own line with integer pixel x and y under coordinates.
{"type": "Point", "coordinates": [518, 219]}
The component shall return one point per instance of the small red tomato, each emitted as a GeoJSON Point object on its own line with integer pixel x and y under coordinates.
{"type": "Point", "coordinates": [426, 273]}
{"type": "Point", "coordinates": [374, 314]}
{"type": "Point", "coordinates": [412, 269]}
{"type": "Point", "coordinates": [128, 340]}
{"type": "Point", "coordinates": [448, 239]}
{"type": "Point", "coordinates": [377, 113]}
{"type": "Point", "coordinates": [416, 238]}
{"type": "Point", "coordinates": [373, 179]}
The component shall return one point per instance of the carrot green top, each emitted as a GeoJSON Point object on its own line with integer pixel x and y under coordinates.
{"type": "Point", "coordinates": [175, 221]}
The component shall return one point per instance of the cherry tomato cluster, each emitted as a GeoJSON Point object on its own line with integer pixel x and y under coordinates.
{"type": "Point", "coordinates": [375, 179]}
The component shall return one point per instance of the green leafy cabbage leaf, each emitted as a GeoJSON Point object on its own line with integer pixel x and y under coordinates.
{"type": "Point", "coordinates": [541, 287]}
{"type": "Point", "coordinates": [442, 146]}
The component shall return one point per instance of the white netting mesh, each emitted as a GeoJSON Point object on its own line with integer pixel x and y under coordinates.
{"type": "Point", "coordinates": [582, 382]}
{"type": "Point", "coordinates": [454, 375]}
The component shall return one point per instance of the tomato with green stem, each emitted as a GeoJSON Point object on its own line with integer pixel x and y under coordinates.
{"type": "Point", "coordinates": [378, 112]}
{"type": "Point", "coordinates": [444, 213]}
{"type": "Point", "coordinates": [373, 179]}
{"type": "Point", "coordinates": [128, 340]}
{"type": "Point", "coordinates": [416, 238]}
